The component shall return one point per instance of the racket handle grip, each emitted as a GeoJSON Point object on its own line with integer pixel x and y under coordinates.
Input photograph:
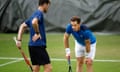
{"type": "Point", "coordinates": [69, 60]}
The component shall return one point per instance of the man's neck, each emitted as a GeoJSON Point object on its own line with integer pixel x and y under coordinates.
{"type": "Point", "coordinates": [40, 8]}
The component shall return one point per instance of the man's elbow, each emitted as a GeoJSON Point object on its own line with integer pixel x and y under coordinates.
{"type": "Point", "coordinates": [23, 25]}
{"type": "Point", "coordinates": [65, 37]}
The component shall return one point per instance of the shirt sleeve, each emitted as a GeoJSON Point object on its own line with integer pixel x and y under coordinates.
{"type": "Point", "coordinates": [27, 22]}
{"type": "Point", "coordinates": [38, 16]}
{"type": "Point", "coordinates": [68, 29]}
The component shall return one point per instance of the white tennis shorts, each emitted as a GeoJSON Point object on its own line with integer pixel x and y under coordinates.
{"type": "Point", "coordinates": [80, 50]}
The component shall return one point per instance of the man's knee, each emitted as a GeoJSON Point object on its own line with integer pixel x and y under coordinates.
{"type": "Point", "coordinates": [89, 62]}
{"type": "Point", "coordinates": [36, 68]}
{"type": "Point", "coordinates": [48, 68]}
{"type": "Point", "coordinates": [80, 61]}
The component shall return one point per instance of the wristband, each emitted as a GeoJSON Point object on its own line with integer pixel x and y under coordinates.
{"type": "Point", "coordinates": [19, 40]}
{"type": "Point", "coordinates": [67, 50]}
{"type": "Point", "coordinates": [37, 33]}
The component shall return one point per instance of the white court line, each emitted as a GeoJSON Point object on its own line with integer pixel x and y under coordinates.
{"type": "Point", "coordinates": [58, 59]}
{"type": "Point", "coordinates": [96, 60]}
{"type": "Point", "coordinates": [53, 59]}
{"type": "Point", "coordinates": [11, 62]}
{"type": "Point", "coordinates": [10, 58]}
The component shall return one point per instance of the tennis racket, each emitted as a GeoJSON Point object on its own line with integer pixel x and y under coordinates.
{"type": "Point", "coordinates": [23, 54]}
{"type": "Point", "coordinates": [69, 63]}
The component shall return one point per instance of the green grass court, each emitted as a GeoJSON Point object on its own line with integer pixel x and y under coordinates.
{"type": "Point", "coordinates": [107, 54]}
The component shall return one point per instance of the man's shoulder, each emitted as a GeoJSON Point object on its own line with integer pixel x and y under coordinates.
{"type": "Point", "coordinates": [83, 27]}
{"type": "Point", "coordinates": [69, 26]}
{"type": "Point", "coordinates": [37, 12]}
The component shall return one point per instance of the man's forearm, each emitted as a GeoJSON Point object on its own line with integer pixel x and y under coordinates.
{"type": "Point", "coordinates": [66, 44]}
{"type": "Point", "coordinates": [66, 41]}
{"type": "Point", "coordinates": [20, 32]}
{"type": "Point", "coordinates": [87, 42]}
{"type": "Point", "coordinates": [35, 25]}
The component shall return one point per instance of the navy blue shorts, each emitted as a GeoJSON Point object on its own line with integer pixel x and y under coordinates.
{"type": "Point", "coordinates": [39, 55]}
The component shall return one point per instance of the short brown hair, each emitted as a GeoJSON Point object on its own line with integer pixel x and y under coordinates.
{"type": "Point", "coordinates": [41, 2]}
{"type": "Point", "coordinates": [76, 18]}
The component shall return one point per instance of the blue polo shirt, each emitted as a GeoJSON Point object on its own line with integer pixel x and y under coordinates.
{"type": "Point", "coordinates": [40, 42]}
{"type": "Point", "coordinates": [83, 34]}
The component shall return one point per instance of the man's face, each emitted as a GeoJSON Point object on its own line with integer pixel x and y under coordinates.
{"type": "Point", "coordinates": [46, 6]}
{"type": "Point", "coordinates": [75, 25]}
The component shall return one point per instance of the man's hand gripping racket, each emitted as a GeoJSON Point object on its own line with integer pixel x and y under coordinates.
{"type": "Point", "coordinates": [68, 59]}
{"type": "Point", "coordinates": [23, 54]}
{"type": "Point", "coordinates": [69, 63]}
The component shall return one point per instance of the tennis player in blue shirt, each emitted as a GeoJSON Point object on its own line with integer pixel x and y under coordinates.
{"type": "Point", "coordinates": [85, 43]}
{"type": "Point", "coordinates": [37, 43]}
